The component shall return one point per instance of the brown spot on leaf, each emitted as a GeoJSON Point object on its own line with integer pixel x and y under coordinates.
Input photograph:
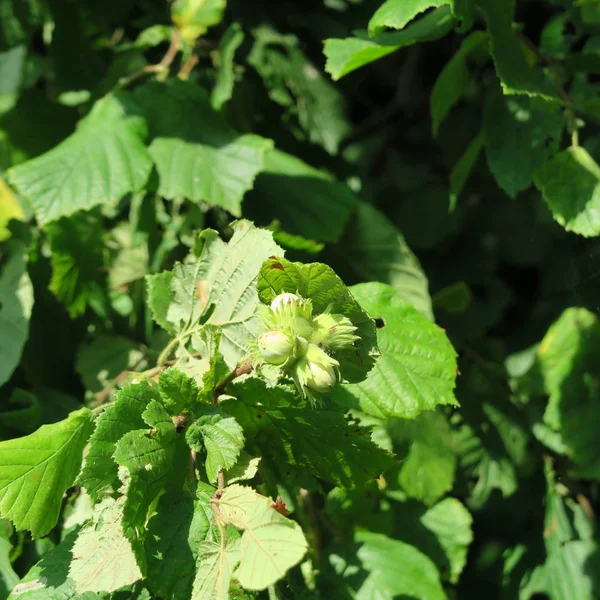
{"type": "Point", "coordinates": [280, 506]}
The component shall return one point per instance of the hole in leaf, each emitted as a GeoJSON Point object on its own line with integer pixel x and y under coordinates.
{"type": "Point", "coordinates": [379, 323]}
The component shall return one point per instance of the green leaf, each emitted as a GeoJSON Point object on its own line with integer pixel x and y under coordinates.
{"type": "Point", "coordinates": [194, 17]}
{"type": "Point", "coordinates": [427, 472]}
{"type": "Point", "coordinates": [159, 297]}
{"type": "Point", "coordinates": [306, 201]}
{"type": "Point", "coordinates": [218, 435]}
{"type": "Point", "coordinates": [462, 169]}
{"type": "Point", "coordinates": [49, 577]}
{"type": "Point", "coordinates": [380, 556]}
{"type": "Point", "coordinates": [570, 185]}
{"type": "Point", "coordinates": [417, 367]}
{"type": "Point", "coordinates": [345, 56]}
{"type": "Point", "coordinates": [181, 524]}
{"type": "Point", "coordinates": [221, 282]}
{"type": "Point", "coordinates": [451, 523]}
{"type": "Point", "coordinates": [568, 365]}
{"type": "Point", "coordinates": [295, 83]}
{"type": "Point", "coordinates": [16, 304]}
{"type": "Point", "coordinates": [454, 77]}
{"type": "Point", "coordinates": [100, 471]}
{"type": "Point", "coordinates": [373, 249]}
{"type": "Point", "coordinates": [442, 532]}
{"type": "Point", "coordinates": [323, 442]}
{"type": "Point", "coordinates": [520, 134]}
{"type": "Point", "coordinates": [78, 276]}
{"type": "Point", "coordinates": [155, 460]}
{"type": "Point", "coordinates": [271, 544]}
{"type": "Point", "coordinates": [396, 14]}
{"type": "Point", "coordinates": [222, 91]}
{"type": "Point", "coordinates": [8, 577]}
{"type": "Point", "coordinates": [11, 69]}
{"type": "Point", "coordinates": [245, 468]}
{"type": "Point", "coordinates": [178, 391]}
{"type": "Point", "coordinates": [35, 471]}
{"type": "Point", "coordinates": [103, 560]}
{"type": "Point", "coordinates": [491, 436]}
{"type": "Point", "coordinates": [105, 357]}
{"type": "Point", "coordinates": [572, 566]}
{"type": "Point", "coordinates": [197, 154]}
{"type": "Point", "coordinates": [515, 74]}
{"type": "Point", "coordinates": [216, 562]}
{"type": "Point", "coordinates": [319, 283]}
{"type": "Point", "coordinates": [10, 208]}
{"type": "Point", "coordinates": [98, 164]}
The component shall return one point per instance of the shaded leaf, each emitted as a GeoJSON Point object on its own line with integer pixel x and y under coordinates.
{"type": "Point", "coordinates": [570, 185]}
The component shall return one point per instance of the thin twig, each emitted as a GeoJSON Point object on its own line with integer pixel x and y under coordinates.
{"type": "Point", "coordinates": [187, 68]}
{"type": "Point", "coordinates": [241, 370]}
{"type": "Point", "coordinates": [150, 373]}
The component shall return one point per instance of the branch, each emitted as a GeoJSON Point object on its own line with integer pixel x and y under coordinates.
{"type": "Point", "coordinates": [237, 372]}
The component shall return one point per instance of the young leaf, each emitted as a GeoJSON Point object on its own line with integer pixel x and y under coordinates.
{"type": "Point", "coordinates": [178, 391]}
{"type": "Point", "coordinates": [326, 290]}
{"type": "Point", "coordinates": [345, 56]}
{"type": "Point", "coordinates": [181, 524]}
{"type": "Point", "coordinates": [323, 442]}
{"type": "Point", "coordinates": [197, 154]}
{"type": "Point", "coordinates": [520, 134]}
{"type": "Point", "coordinates": [417, 367]}
{"type": "Point", "coordinates": [193, 18]}
{"type": "Point", "coordinates": [271, 544]}
{"type": "Point", "coordinates": [221, 437]}
{"type": "Point", "coordinates": [16, 304]}
{"type": "Point", "coordinates": [36, 470]}
{"type": "Point", "coordinates": [570, 185]}
{"type": "Point", "coordinates": [100, 471]}
{"type": "Point", "coordinates": [100, 163]}
{"type": "Point", "coordinates": [103, 560]}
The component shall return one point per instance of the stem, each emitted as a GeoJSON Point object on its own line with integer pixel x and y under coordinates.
{"type": "Point", "coordinates": [237, 372]}
{"type": "Point", "coordinates": [164, 355]}
{"type": "Point", "coordinates": [185, 71]}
